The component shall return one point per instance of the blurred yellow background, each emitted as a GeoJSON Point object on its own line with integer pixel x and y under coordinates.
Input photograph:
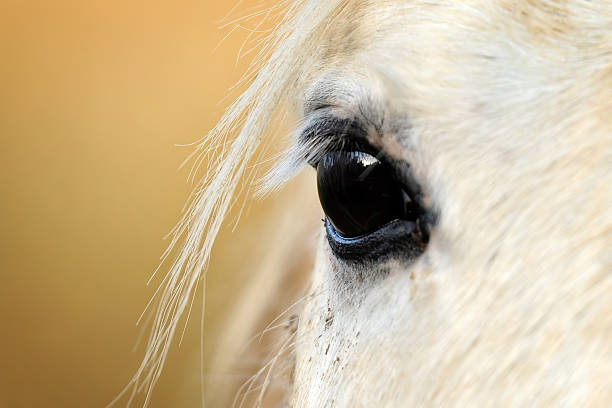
{"type": "Point", "coordinates": [93, 97]}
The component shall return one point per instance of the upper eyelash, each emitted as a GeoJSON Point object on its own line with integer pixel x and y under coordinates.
{"type": "Point", "coordinates": [320, 133]}
{"type": "Point", "coordinates": [327, 133]}
{"type": "Point", "coordinates": [327, 124]}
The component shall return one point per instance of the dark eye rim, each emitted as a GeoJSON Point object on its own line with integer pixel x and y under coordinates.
{"type": "Point", "coordinates": [397, 239]}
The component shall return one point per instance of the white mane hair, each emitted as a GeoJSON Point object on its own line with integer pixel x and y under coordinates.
{"type": "Point", "coordinates": [479, 73]}
{"type": "Point", "coordinates": [228, 149]}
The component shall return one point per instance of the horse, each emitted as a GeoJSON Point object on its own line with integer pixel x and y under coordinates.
{"type": "Point", "coordinates": [463, 158]}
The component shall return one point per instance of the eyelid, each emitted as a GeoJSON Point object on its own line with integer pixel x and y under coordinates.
{"type": "Point", "coordinates": [326, 132]}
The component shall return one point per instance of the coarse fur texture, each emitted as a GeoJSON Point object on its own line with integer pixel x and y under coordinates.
{"type": "Point", "coordinates": [503, 112]}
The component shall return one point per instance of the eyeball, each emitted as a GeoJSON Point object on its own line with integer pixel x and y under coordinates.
{"type": "Point", "coordinates": [359, 193]}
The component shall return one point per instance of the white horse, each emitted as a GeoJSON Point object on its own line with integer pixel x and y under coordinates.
{"type": "Point", "coordinates": [464, 163]}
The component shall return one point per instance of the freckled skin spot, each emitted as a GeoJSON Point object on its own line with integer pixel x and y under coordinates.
{"type": "Point", "coordinates": [329, 319]}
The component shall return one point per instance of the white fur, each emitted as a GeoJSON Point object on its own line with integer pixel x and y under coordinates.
{"type": "Point", "coordinates": [504, 112]}
{"type": "Point", "coordinates": [505, 126]}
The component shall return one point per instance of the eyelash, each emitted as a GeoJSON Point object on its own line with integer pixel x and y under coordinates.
{"type": "Point", "coordinates": [328, 134]}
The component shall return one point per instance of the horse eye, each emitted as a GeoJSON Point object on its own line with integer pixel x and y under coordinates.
{"type": "Point", "coordinates": [359, 193]}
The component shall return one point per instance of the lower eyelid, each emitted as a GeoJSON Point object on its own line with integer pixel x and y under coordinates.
{"type": "Point", "coordinates": [395, 239]}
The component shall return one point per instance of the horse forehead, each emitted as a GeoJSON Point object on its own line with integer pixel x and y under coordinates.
{"type": "Point", "coordinates": [358, 22]}
{"type": "Point", "coordinates": [422, 34]}
{"type": "Point", "coordinates": [483, 68]}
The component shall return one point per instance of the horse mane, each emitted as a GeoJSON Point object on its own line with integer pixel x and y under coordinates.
{"type": "Point", "coordinates": [227, 149]}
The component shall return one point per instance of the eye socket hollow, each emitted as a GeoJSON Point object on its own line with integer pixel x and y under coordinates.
{"type": "Point", "coordinates": [359, 193]}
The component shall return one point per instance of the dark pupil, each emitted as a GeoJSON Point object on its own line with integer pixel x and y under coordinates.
{"type": "Point", "coordinates": [358, 192]}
